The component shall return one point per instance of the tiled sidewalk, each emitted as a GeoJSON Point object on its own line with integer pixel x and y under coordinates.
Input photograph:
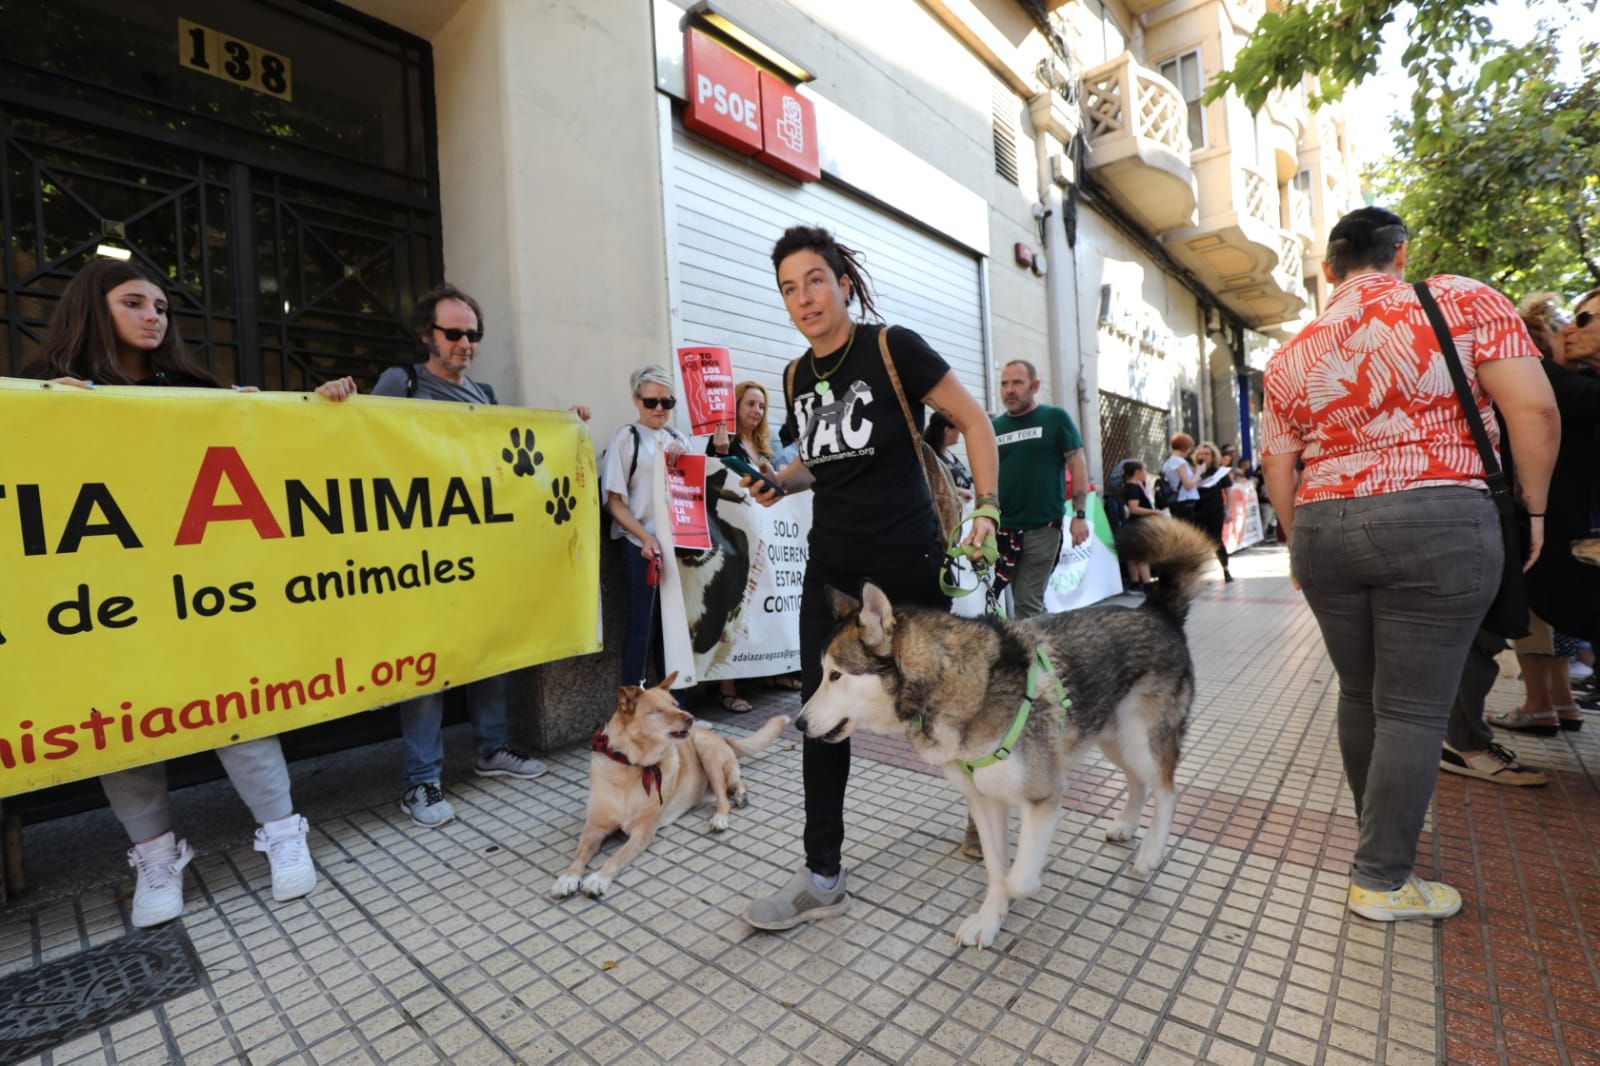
{"type": "Point", "coordinates": [443, 946]}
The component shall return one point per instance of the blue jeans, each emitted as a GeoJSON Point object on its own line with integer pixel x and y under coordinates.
{"type": "Point", "coordinates": [1398, 583]}
{"type": "Point", "coordinates": [421, 718]}
{"type": "Point", "coordinates": [643, 635]}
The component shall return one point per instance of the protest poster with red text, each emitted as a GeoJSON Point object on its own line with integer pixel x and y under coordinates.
{"type": "Point", "coordinates": [686, 502]}
{"type": "Point", "coordinates": [708, 388]}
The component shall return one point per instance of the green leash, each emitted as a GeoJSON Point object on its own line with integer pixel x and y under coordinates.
{"type": "Point", "coordinates": [1040, 667]}
{"type": "Point", "coordinates": [988, 555]}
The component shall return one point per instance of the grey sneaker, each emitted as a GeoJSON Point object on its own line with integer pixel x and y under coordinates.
{"type": "Point", "coordinates": [798, 901]}
{"type": "Point", "coordinates": [508, 763]}
{"type": "Point", "coordinates": [426, 805]}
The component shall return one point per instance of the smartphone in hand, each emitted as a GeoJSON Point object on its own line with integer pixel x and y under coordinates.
{"type": "Point", "coordinates": [745, 469]}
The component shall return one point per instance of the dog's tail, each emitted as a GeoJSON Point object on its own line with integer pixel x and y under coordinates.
{"type": "Point", "coordinates": [758, 742]}
{"type": "Point", "coordinates": [1178, 555]}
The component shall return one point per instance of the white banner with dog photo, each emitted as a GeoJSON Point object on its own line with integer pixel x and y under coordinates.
{"type": "Point", "coordinates": [734, 611]}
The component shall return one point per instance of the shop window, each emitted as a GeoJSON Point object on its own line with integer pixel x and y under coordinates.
{"type": "Point", "coordinates": [1185, 73]}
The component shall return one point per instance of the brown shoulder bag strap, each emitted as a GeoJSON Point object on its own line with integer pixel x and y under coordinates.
{"type": "Point", "coordinates": [894, 379]}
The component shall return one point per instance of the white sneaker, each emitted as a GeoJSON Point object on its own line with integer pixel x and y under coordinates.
{"type": "Point", "coordinates": [158, 893]}
{"type": "Point", "coordinates": [284, 841]}
{"type": "Point", "coordinates": [1577, 671]}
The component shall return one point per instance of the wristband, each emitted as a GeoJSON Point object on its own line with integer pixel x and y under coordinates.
{"type": "Point", "coordinates": [1080, 515]}
{"type": "Point", "coordinates": [987, 499]}
{"type": "Point", "coordinates": [1532, 515]}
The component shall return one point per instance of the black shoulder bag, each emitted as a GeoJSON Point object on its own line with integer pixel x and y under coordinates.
{"type": "Point", "coordinates": [1508, 615]}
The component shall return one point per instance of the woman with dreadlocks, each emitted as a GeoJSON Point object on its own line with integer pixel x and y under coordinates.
{"type": "Point", "coordinates": [873, 515]}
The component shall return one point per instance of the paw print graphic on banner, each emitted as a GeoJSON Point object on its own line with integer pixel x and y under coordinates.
{"type": "Point", "coordinates": [521, 455]}
{"type": "Point", "coordinates": [562, 504]}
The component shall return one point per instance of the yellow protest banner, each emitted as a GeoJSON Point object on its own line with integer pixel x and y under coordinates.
{"type": "Point", "coordinates": [187, 568]}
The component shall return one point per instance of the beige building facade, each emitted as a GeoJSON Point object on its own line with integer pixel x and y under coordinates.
{"type": "Point", "coordinates": [1026, 178]}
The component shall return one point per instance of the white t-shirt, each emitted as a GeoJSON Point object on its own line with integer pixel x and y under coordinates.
{"type": "Point", "coordinates": [1169, 470]}
{"type": "Point", "coordinates": [639, 490]}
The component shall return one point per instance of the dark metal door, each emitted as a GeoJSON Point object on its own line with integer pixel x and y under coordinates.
{"type": "Point", "coordinates": [276, 282]}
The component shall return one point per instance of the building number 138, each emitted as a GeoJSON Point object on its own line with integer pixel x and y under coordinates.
{"type": "Point", "coordinates": [207, 51]}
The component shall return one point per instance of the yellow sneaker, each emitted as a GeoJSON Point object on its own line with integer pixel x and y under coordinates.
{"type": "Point", "coordinates": [1414, 899]}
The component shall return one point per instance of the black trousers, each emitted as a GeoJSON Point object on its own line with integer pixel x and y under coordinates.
{"type": "Point", "coordinates": [911, 578]}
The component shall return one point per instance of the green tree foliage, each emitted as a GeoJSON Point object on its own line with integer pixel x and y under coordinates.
{"type": "Point", "coordinates": [1504, 184]}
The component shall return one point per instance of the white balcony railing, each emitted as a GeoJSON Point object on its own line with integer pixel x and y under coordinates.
{"type": "Point", "coordinates": [1290, 271]}
{"type": "Point", "coordinates": [1257, 196]}
{"type": "Point", "coordinates": [1121, 97]}
{"type": "Point", "coordinates": [1300, 216]}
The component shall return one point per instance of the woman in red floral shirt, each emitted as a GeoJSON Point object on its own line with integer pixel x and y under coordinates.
{"type": "Point", "coordinates": [1393, 538]}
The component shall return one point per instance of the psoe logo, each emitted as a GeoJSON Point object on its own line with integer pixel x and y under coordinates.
{"type": "Point", "coordinates": [791, 127]}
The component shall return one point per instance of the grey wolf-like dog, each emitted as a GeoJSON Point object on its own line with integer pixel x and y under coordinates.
{"type": "Point", "coordinates": [954, 685]}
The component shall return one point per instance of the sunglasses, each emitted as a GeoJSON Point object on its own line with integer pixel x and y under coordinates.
{"type": "Point", "coordinates": [1583, 318]}
{"type": "Point", "coordinates": [453, 335]}
{"type": "Point", "coordinates": [652, 402]}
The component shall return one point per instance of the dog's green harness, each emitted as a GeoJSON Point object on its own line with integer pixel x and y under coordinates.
{"type": "Point", "coordinates": [1040, 667]}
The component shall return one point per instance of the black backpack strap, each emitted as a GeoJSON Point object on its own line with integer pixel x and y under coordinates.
{"type": "Point", "coordinates": [1494, 476]}
{"type": "Point", "coordinates": [488, 390]}
{"type": "Point", "coordinates": [633, 467]}
{"type": "Point", "coordinates": [411, 380]}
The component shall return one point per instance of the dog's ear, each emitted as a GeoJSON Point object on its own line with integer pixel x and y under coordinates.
{"type": "Point", "coordinates": [666, 682]}
{"type": "Point", "coordinates": [877, 619]}
{"type": "Point", "coordinates": [627, 696]}
{"type": "Point", "coordinates": [844, 605]}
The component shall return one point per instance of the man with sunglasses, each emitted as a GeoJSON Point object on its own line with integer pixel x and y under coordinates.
{"type": "Point", "coordinates": [449, 324]}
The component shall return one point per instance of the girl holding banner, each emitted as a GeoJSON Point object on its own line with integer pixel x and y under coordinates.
{"type": "Point", "coordinates": [113, 327]}
{"type": "Point", "coordinates": [753, 444]}
{"type": "Point", "coordinates": [873, 515]}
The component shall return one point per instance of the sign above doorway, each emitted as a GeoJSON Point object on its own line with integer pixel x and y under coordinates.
{"type": "Point", "coordinates": [747, 109]}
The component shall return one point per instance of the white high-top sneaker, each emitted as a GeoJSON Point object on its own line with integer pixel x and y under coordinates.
{"type": "Point", "coordinates": [158, 893]}
{"type": "Point", "coordinates": [284, 841]}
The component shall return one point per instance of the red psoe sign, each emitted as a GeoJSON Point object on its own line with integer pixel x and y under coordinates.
{"type": "Point", "coordinates": [788, 130]}
{"type": "Point", "coordinates": [724, 94]}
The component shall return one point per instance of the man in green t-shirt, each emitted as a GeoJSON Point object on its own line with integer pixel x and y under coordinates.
{"type": "Point", "coordinates": [1038, 444]}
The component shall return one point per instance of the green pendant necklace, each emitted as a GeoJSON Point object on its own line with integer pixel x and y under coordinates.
{"type": "Point", "coordinates": [822, 388]}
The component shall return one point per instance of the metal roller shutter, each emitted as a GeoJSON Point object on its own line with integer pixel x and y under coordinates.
{"type": "Point", "coordinates": [726, 215]}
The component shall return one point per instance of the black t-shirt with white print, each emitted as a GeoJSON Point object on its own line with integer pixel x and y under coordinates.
{"type": "Point", "coordinates": [870, 496]}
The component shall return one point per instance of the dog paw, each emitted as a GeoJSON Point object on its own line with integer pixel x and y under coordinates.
{"type": "Point", "coordinates": [1120, 832]}
{"type": "Point", "coordinates": [1145, 865]}
{"type": "Point", "coordinates": [720, 823]}
{"type": "Point", "coordinates": [978, 931]}
{"type": "Point", "coordinates": [739, 798]}
{"type": "Point", "coordinates": [1021, 886]}
{"type": "Point", "coordinates": [564, 886]}
{"type": "Point", "coordinates": [596, 885]}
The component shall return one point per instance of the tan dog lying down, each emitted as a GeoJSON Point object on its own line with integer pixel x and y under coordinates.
{"type": "Point", "coordinates": [649, 767]}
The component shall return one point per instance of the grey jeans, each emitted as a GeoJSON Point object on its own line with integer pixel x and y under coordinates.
{"type": "Point", "coordinates": [138, 796]}
{"type": "Point", "coordinates": [1040, 549]}
{"type": "Point", "coordinates": [1398, 584]}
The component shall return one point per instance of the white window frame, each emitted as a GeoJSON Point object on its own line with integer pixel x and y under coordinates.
{"type": "Point", "coordinates": [1176, 62]}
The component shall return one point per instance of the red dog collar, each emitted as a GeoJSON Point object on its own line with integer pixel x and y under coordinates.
{"type": "Point", "coordinates": [648, 775]}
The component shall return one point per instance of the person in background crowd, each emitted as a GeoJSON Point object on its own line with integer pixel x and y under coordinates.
{"type": "Point", "coordinates": [753, 443]}
{"type": "Point", "coordinates": [1039, 446]}
{"type": "Point", "coordinates": [788, 448]}
{"type": "Point", "coordinates": [1563, 593]}
{"type": "Point", "coordinates": [942, 435]}
{"type": "Point", "coordinates": [872, 513]}
{"type": "Point", "coordinates": [448, 325]}
{"type": "Point", "coordinates": [1136, 498]}
{"type": "Point", "coordinates": [630, 501]}
{"type": "Point", "coordinates": [1211, 505]}
{"type": "Point", "coordinates": [1393, 538]}
{"type": "Point", "coordinates": [113, 327]}
{"type": "Point", "coordinates": [1180, 477]}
